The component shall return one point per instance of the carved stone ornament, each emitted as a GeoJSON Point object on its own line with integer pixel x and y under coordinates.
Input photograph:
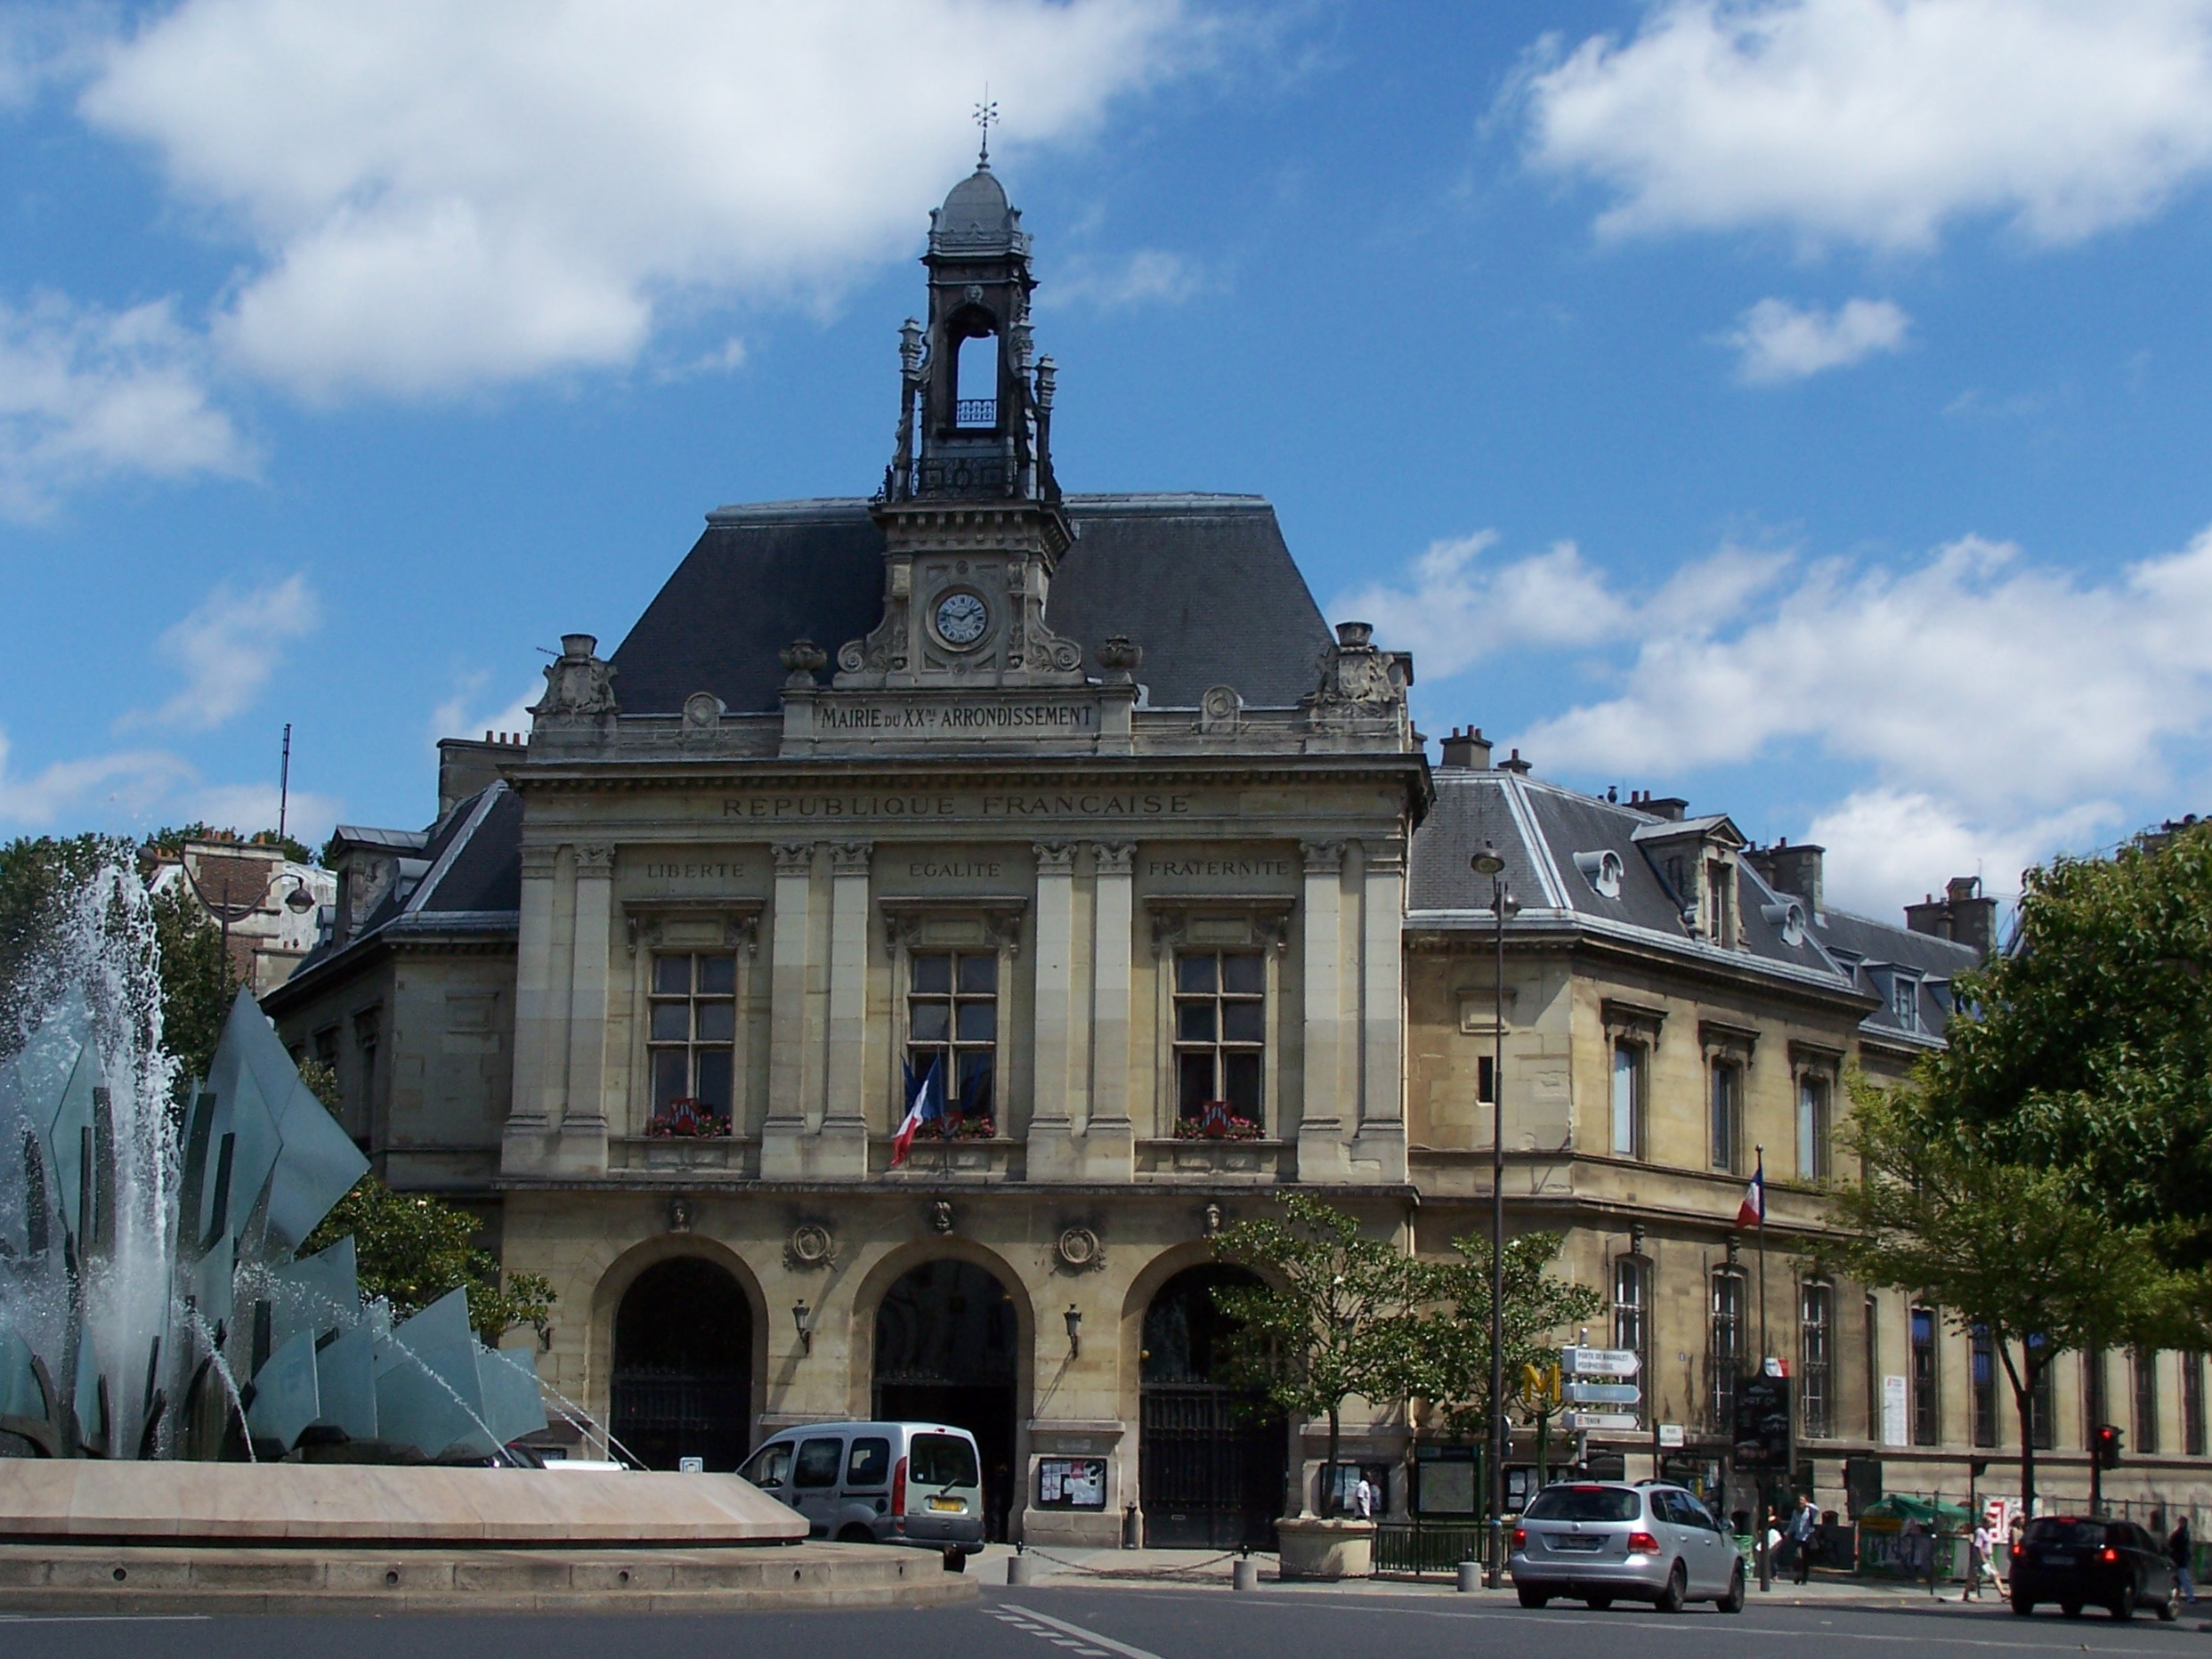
{"type": "Point", "coordinates": [941, 1214]}
{"type": "Point", "coordinates": [810, 1245]}
{"type": "Point", "coordinates": [680, 1214]}
{"type": "Point", "coordinates": [850, 858]}
{"type": "Point", "coordinates": [702, 717]}
{"type": "Point", "coordinates": [579, 688]}
{"type": "Point", "coordinates": [594, 863]}
{"type": "Point", "coordinates": [1113, 857]}
{"type": "Point", "coordinates": [1054, 858]}
{"type": "Point", "coordinates": [1220, 711]}
{"type": "Point", "coordinates": [1358, 681]}
{"type": "Point", "coordinates": [793, 858]}
{"type": "Point", "coordinates": [1119, 656]}
{"type": "Point", "coordinates": [1078, 1251]}
{"type": "Point", "coordinates": [1212, 1221]}
{"type": "Point", "coordinates": [802, 659]}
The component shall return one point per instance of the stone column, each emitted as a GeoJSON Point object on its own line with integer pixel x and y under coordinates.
{"type": "Point", "coordinates": [583, 1117]}
{"type": "Point", "coordinates": [1380, 1149]}
{"type": "Point", "coordinates": [788, 1074]}
{"type": "Point", "coordinates": [538, 1007]}
{"type": "Point", "coordinates": [844, 1148]}
{"type": "Point", "coordinates": [1051, 1126]}
{"type": "Point", "coordinates": [1112, 1140]}
{"type": "Point", "coordinates": [1321, 1154]}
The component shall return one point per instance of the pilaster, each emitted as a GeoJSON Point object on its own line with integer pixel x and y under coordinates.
{"type": "Point", "coordinates": [1052, 1156]}
{"type": "Point", "coordinates": [1379, 1150]}
{"type": "Point", "coordinates": [781, 1156]}
{"type": "Point", "coordinates": [1111, 1147]}
{"type": "Point", "coordinates": [583, 1144]}
{"type": "Point", "coordinates": [843, 1148]}
{"type": "Point", "coordinates": [1322, 1151]}
{"type": "Point", "coordinates": [538, 1007]}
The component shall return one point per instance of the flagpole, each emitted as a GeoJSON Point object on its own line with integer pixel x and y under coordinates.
{"type": "Point", "coordinates": [1764, 1352]}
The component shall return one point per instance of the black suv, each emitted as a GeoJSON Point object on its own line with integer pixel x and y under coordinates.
{"type": "Point", "coordinates": [2077, 1561]}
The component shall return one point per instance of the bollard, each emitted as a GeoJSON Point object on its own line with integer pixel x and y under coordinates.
{"type": "Point", "coordinates": [1470, 1577]}
{"type": "Point", "coordinates": [1019, 1568]}
{"type": "Point", "coordinates": [1244, 1573]}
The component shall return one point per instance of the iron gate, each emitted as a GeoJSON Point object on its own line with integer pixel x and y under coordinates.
{"type": "Point", "coordinates": [1211, 1471]}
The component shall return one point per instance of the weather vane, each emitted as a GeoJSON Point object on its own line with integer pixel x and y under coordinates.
{"type": "Point", "coordinates": [986, 116]}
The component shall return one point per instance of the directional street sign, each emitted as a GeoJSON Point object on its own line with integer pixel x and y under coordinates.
{"type": "Point", "coordinates": [1602, 1392]}
{"type": "Point", "coordinates": [1578, 1422]}
{"type": "Point", "coordinates": [1599, 1361]}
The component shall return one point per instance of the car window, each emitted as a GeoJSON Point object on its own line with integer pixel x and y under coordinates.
{"type": "Point", "coordinates": [870, 1464]}
{"type": "Point", "coordinates": [1584, 1504]}
{"type": "Point", "coordinates": [1694, 1513]}
{"type": "Point", "coordinates": [2064, 1532]}
{"type": "Point", "coordinates": [771, 1466]}
{"type": "Point", "coordinates": [942, 1461]}
{"type": "Point", "coordinates": [2136, 1538]}
{"type": "Point", "coordinates": [817, 1464]}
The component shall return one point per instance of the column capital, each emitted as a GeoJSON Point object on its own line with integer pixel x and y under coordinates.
{"type": "Point", "coordinates": [793, 858]}
{"type": "Point", "coordinates": [1322, 858]}
{"type": "Point", "coordinates": [538, 860]}
{"type": "Point", "coordinates": [1385, 856]}
{"type": "Point", "coordinates": [850, 858]}
{"type": "Point", "coordinates": [1114, 857]}
{"type": "Point", "coordinates": [595, 863]}
{"type": "Point", "coordinates": [1054, 858]}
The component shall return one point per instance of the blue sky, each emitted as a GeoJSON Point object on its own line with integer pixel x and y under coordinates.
{"type": "Point", "coordinates": [1796, 407]}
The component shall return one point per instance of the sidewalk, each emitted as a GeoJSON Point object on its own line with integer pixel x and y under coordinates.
{"type": "Point", "coordinates": [1068, 1568]}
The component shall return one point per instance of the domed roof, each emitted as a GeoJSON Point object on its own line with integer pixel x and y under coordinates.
{"type": "Point", "coordinates": [976, 215]}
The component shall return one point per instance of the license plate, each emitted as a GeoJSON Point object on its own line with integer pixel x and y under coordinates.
{"type": "Point", "coordinates": [1571, 1540]}
{"type": "Point", "coordinates": [953, 1506]}
{"type": "Point", "coordinates": [2058, 1560]}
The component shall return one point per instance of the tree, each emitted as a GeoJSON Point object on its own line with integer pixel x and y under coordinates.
{"type": "Point", "coordinates": [2002, 1246]}
{"type": "Point", "coordinates": [197, 983]}
{"type": "Point", "coordinates": [168, 841]}
{"type": "Point", "coordinates": [1448, 1361]}
{"type": "Point", "coordinates": [1330, 1321]}
{"type": "Point", "coordinates": [411, 1248]}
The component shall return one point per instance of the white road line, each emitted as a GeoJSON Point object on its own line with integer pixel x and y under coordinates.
{"type": "Point", "coordinates": [1107, 1642]}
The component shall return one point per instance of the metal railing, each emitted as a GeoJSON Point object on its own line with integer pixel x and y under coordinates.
{"type": "Point", "coordinates": [1417, 1547]}
{"type": "Point", "coordinates": [975, 412]}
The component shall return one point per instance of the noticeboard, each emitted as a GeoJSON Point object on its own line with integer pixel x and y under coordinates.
{"type": "Point", "coordinates": [1070, 1483]}
{"type": "Point", "coordinates": [1762, 1424]}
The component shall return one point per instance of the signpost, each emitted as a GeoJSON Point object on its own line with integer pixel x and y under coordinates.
{"type": "Point", "coordinates": [1603, 1378]}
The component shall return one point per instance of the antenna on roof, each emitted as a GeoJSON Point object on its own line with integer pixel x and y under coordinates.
{"type": "Point", "coordinates": [986, 117]}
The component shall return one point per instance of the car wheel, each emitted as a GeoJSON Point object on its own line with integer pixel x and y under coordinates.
{"type": "Point", "coordinates": [1531, 1597]}
{"type": "Point", "coordinates": [2071, 1609]}
{"type": "Point", "coordinates": [855, 1534]}
{"type": "Point", "coordinates": [1733, 1602]}
{"type": "Point", "coordinates": [2124, 1604]}
{"type": "Point", "coordinates": [1677, 1590]}
{"type": "Point", "coordinates": [2023, 1606]}
{"type": "Point", "coordinates": [2170, 1608]}
{"type": "Point", "coordinates": [1597, 1604]}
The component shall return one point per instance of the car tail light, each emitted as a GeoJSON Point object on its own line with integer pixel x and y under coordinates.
{"type": "Point", "coordinates": [2015, 1549]}
{"type": "Point", "coordinates": [1520, 1537]}
{"type": "Point", "coordinates": [2110, 1554]}
{"type": "Point", "coordinates": [1642, 1543]}
{"type": "Point", "coordinates": [898, 1487]}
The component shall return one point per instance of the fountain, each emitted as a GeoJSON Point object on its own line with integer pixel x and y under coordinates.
{"type": "Point", "coordinates": [193, 1414]}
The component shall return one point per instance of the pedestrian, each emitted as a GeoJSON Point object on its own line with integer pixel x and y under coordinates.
{"type": "Point", "coordinates": [2180, 1549]}
{"type": "Point", "coordinates": [1363, 1498]}
{"type": "Point", "coordinates": [1802, 1526]}
{"type": "Point", "coordinates": [1980, 1561]}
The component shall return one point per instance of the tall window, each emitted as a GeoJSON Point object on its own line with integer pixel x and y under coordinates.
{"type": "Point", "coordinates": [1927, 1418]}
{"type": "Point", "coordinates": [1725, 1115]}
{"type": "Point", "coordinates": [365, 1035]}
{"type": "Point", "coordinates": [1220, 1033]}
{"type": "Point", "coordinates": [693, 1031]}
{"type": "Point", "coordinates": [1721, 902]}
{"type": "Point", "coordinates": [2192, 1405]}
{"type": "Point", "coordinates": [1816, 1330]}
{"type": "Point", "coordinates": [2096, 1405]}
{"type": "Point", "coordinates": [2145, 1369]}
{"type": "Point", "coordinates": [1812, 1127]}
{"type": "Point", "coordinates": [1631, 1309]}
{"type": "Point", "coordinates": [1724, 1347]}
{"type": "Point", "coordinates": [953, 1023]}
{"type": "Point", "coordinates": [1485, 1080]}
{"type": "Point", "coordinates": [1905, 1001]}
{"type": "Point", "coordinates": [2042, 1415]}
{"type": "Point", "coordinates": [1873, 1371]}
{"type": "Point", "coordinates": [1628, 1099]}
{"type": "Point", "coordinates": [1985, 1364]}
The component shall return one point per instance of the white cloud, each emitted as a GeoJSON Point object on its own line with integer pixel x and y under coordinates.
{"type": "Point", "coordinates": [251, 807]}
{"type": "Point", "coordinates": [86, 393]}
{"type": "Point", "coordinates": [462, 716]}
{"type": "Point", "coordinates": [1885, 845]}
{"type": "Point", "coordinates": [1779, 341]}
{"type": "Point", "coordinates": [447, 197]}
{"type": "Point", "coordinates": [104, 788]}
{"type": "Point", "coordinates": [228, 647]}
{"type": "Point", "coordinates": [1878, 121]}
{"type": "Point", "coordinates": [1151, 276]}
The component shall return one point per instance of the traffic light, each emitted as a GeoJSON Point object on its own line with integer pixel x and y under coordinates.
{"type": "Point", "coordinates": [2108, 1444]}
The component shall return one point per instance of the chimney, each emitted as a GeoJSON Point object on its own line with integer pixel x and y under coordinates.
{"type": "Point", "coordinates": [1669, 807]}
{"type": "Point", "coordinates": [1467, 750]}
{"type": "Point", "coordinates": [465, 766]}
{"type": "Point", "coordinates": [1789, 869]}
{"type": "Point", "coordinates": [1961, 915]}
{"type": "Point", "coordinates": [1516, 763]}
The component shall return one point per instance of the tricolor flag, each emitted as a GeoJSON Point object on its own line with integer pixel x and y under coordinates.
{"type": "Point", "coordinates": [1753, 1211]}
{"type": "Point", "coordinates": [925, 1100]}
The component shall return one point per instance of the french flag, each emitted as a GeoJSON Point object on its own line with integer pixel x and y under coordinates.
{"type": "Point", "coordinates": [1753, 1211]}
{"type": "Point", "coordinates": [925, 1101]}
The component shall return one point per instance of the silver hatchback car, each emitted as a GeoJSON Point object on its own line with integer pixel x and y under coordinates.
{"type": "Point", "coordinates": [1607, 1541]}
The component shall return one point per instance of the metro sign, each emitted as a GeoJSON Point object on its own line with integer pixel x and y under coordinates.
{"type": "Point", "coordinates": [1599, 1361]}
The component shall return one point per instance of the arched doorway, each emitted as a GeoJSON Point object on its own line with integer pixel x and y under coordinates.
{"type": "Point", "coordinates": [946, 1341]}
{"type": "Point", "coordinates": [1212, 1460]}
{"type": "Point", "coordinates": [683, 1375]}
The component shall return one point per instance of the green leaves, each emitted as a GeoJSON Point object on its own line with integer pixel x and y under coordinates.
{"type": "Point", "coordinates": [413, 1248]}
{"type": "Point", "coordinates": [1449, 1359]}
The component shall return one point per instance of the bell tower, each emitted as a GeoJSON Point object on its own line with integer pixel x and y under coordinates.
{"type": "Point", "coordinates": [969, 509]}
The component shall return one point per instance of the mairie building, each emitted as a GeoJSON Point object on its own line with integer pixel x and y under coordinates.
{"type": "Point", "coordinates": [1075, 807]}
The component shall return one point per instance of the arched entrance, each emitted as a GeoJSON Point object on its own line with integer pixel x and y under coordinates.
{"type": "Point", "coordinates": [683, 1375]}
{"type": "Point", "coordinates": [1211, 1459]}
{"type": "Point", "coordinates": [946, 1339]}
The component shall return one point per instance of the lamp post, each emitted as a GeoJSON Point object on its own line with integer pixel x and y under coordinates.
{"type": "Point", "coordinates": [803, 1318]}
{"type": "Point", "coordinates": [1074, 1318]}
{"type": "Point", "coordinates": [1487, 863]}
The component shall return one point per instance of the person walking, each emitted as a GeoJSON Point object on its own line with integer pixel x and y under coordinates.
{"type": "Point", "coordinates": [1363, 1498]}
{"type": "Point", "coordinates": [2180, 1549]}
{"type": "Point", "coordinates": [1980, 1560]}
{"type": "Point", "coordinates": [1802, 1526]}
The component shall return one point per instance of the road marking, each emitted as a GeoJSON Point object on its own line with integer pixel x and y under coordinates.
{"type": "Point", "coordinates": [1105, 1642]}
{"type": "Point", "coordinates": [104, 1618]}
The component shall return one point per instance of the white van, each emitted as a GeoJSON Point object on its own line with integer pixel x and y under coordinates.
{"type": "Point", "coordinates": [919, 1483]}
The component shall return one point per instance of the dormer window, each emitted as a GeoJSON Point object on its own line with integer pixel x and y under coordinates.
{"type": "Point", "coordinates": [1720, 903]}
{"type": "Point", "coordinates": [1904, 1000]}
{"type": "Point", "coordinates": [1602, 871]}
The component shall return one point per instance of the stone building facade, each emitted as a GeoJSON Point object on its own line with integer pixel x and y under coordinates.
{"type": "Point", "coordinates": [1079, 806]}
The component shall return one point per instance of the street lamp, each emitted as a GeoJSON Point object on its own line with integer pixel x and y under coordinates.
{"type": "Point", "coordinates": [803, 1316]}
{"type": "Point", "coordinates": [1487, 863]}
{"type": "Point", "coordinates": [1074, 1318]}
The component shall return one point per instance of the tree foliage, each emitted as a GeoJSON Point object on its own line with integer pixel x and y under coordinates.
{"type": "Point", "coordinates": [2001, 1245]}
{"type": "Point", "coordinates": [198, 982]}
{"type": "Point", "coordinates": [1447, 1362]}
{"type": "Point", "coordinates": [168, 841]}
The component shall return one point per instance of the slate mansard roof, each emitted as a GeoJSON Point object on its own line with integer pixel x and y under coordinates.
{"type": "Point", "coordinates": [1547, 835]}
{"type": "Point", "coordinates": [1202, 583]}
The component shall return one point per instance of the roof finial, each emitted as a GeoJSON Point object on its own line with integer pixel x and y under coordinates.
{"type": "Point", "coordinates": [986, 116]}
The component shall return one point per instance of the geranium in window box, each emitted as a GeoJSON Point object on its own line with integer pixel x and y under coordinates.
{"type": "Point", "coordinates": [685, 1118]}
{"type": "Point", "coordinates": [1217, 1120]}
{"type": "Point", "coordinates": [966, 1127]}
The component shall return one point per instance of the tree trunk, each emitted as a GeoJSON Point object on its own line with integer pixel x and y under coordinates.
{"type": "Point", "coordinates": [2023, 1405]}
{"type": "Point", "coordinates": [1328, 1470]}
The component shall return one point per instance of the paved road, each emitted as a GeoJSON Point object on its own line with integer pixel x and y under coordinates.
{"type": "Point", "coordinates": [1053, 1623]}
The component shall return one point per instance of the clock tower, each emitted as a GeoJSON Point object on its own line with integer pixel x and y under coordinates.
{"type": "Point", "coordinates": [970, 513]}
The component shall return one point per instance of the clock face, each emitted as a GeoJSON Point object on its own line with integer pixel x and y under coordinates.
{"type": "Point", "coordinates": [961, 619]}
